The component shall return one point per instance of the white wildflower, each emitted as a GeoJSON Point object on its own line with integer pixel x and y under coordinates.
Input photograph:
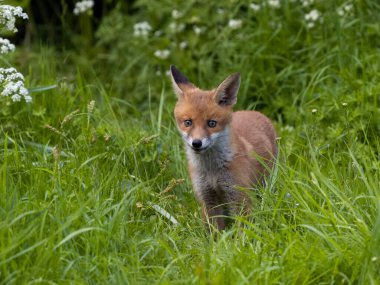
{"type": "Point", "coordinates": [158, 33]}
{"type": "Point", "coordinates": [176, 14]}
{"type": "Point", "coordinates": [16, 98]}
{"type": "Point", "coordinates": [28, 99]}
{"type": "Point", "coordinates": [183, 45]}
{"type": "Point", "coordinates": [255, 7]}
{"type": "Point", "coordinates": [344, 104]}
{"type": "Point", "coordinates": [84, 6]}
{"type": "Point", "coordinates": [314, 111]}
{"type": "Point", "coordinates": [198, 30]}
{"type": "Point", "coordinates": [174, 27]}
{"type": "Point", "coordinates": [235, 24]}
{"type": "Point", "coordinates": [344, 10]}
{"type": "Point", "coordinates": [274, 3]}
{"type": "Point", "coordinates": [8, 16]}
{"type": "Point", "coordinates": [307, 3]}
{"type": "Point", "coordinates": [310, 25]}
{"type": "Point", "coordinates": [312, 17]}
{"type": "Point", "coordinates": [162, 54]}
{"type": "Point", "coordinates": [12, 83]}
{"type": "Point", "coordinates": [348, 7]}
{"type": "Point", "coordinates": [141, 29]}
{"type": "Point", "coordinates": [6, 46]}
{"type": "Point", "coordinates": [288, 128]}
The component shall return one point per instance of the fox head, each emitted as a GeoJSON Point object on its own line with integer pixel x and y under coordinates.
{"type": "Point", "coordinates": [203, 116]}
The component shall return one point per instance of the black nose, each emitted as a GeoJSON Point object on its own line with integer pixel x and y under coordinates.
{"type": "Point", "coordinates": [197, 144]}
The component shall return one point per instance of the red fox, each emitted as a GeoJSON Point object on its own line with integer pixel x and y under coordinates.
{"type": "Point", "coordinates": [225, 149]}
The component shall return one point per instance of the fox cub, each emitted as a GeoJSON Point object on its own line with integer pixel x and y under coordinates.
{"type": "Point", "coordinates": [224, 149]}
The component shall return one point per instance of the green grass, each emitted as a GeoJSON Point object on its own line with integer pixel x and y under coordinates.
{"type": "Point", "coordinates": [83, 186]}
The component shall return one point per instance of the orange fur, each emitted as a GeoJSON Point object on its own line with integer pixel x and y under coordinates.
{"type": "Point", "coordinates": [234, 149]}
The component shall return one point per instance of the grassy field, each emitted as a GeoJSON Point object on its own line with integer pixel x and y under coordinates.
{"type": "Point", "coordinates": [93, 180]}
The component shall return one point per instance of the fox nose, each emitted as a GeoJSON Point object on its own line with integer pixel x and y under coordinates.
{"type": "Point", "coordinates": [196, 144]}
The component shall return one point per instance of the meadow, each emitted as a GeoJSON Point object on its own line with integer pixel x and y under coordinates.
{"type": "Point", "coordinates": [93, 181]}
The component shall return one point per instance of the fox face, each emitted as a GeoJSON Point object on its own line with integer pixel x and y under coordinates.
{"type": "Point", "coordinates": [202, 116]}
{"type": "Point", "coordinates": [201, 120]}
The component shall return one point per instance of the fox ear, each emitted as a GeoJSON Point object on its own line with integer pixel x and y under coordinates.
{"type": "Point", "coordinates": [226, 93]}
{"type": "Point", "coordinates": [180, 82]}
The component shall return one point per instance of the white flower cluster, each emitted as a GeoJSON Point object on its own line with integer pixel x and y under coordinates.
{"type": "Point", "coordinates": [198, 30]}
{"type": "Point", "coordinates": [176, 14]}
{"type": "Point", "coordinates": [312, 17]}
{"type": "Point", "coordinates": [235, 24]}
{"type": "Point", "coordinates": [269, 3]}
{"type": "Point", "coordinates": [8, 16]}
{"type": "Point", "coordinates": [6, 46]}
{"type": "Point", "coordinates": [183, 44]}
{"type": "Point", "coordinates": [255, 7]}
{"type": "Point", "coordinates": [307, 3]}
{"type": "Point", "coordinates": [345, 9]}
{"type": "Point", "coordinates": [274, 3]}
{"type": "Point", "coordinates": [83, 6]}
{"type": "Point", "coordinates": [174, 27]}
{"type": "Point", "coordinates": [12, 83]}
{"type": "Point", "coordinates": [162, 54]}
{"type": "Point", "coordinates": [141, 29]}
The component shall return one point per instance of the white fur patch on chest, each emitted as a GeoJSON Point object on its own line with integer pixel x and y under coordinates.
{"type": "Point", "coordinates": [210, 167]}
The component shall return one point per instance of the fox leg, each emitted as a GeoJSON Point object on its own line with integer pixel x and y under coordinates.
{"type": "Point", "coordinates": [214, 209]}
{"type": "Point", "coordinates": [213, 216]}
{"type": "Point", "coordinates": [239, 202]}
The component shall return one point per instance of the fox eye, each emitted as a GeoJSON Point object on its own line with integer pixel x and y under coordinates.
{"type": "Point", "coordinates": [211, 123]}
{"type": "Point", "coordinates": [188, 123]}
